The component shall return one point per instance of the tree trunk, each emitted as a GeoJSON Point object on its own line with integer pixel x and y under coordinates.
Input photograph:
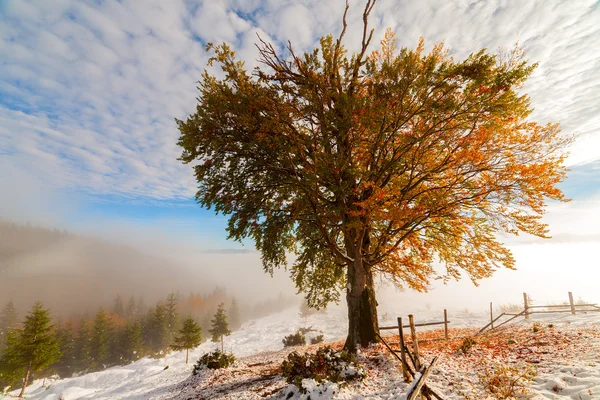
{"type": "Point", "coordinates": [187, 353]}
{"type": "Point", "coordinates": [222, 344]}
{"type": "Point", "coordinates": [362, 306]}
{"type": "Point", "coordinates": [25, 381]}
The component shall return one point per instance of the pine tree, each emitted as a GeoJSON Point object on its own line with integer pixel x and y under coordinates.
{"type": "Point", "coordinates": [8, 321]}
{"type": "Point", "coordinates": [306, 311]}
{"type": "Point", "coordinates": [220, 326]}
{"type": "Point", "coordinates": [131, 311]}
{"type": "Point", "coordinates": [101, 341]}
{"type": "Point", "coordinates": [158, 326]}
{"type": "Point", "coordinates": [234, 315]}
{"type": "Point", "coordinates": [68, 347]}
{"type": "Point", "coordinates": [190, 336]}
{"type": "Point", "coordinates": [83, 346]}
{"type": "Point", "coordinates": [118, 307]}
{"type": "Point", "coordinates": [172, 316]}
{"type": "Point", "coordinates": [131, 343]}
{"type": "Point", "coordinates": [33, 348]}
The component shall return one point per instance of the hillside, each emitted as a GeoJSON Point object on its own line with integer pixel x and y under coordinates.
{"type": "Point", "coordinates": [59, 267]}
{"type": "Point", "coordinates": [565, 356]}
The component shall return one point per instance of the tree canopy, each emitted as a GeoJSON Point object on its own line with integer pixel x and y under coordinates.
{"type": "Point", "coordinates": [371, 163]}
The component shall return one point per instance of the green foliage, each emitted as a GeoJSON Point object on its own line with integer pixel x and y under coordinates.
{"type": "Point", "coordinates": [83, 346]}
{"type": "Point", "coordinates": [101, 344]}
{"type": "Point", "coordinates": [295, 339]}
{"type": "Point", "coordinates": [317, 339]}
{"type": "Point", "coordinates": [32, 348]}
{"type": "Point", "coordinates": [172, 316]}
{"type": "Point", "coordinates": [213, 360]}
{"type": "Point", "coordinates": [219, 325]}
{"type": "Point", "coordinates": [190, 336]}
{"type": "Point", "coordinates": [324, 365]}
{"type": "Point", "coordinates": [157, 329]}
{"type": "Point", "coordinates": [68, 347]}
{"type": "Point", "coordinates": [130, 343]}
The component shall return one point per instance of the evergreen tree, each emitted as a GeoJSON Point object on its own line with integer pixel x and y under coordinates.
{"type": "Point", "coordinates": [101, 341]}
{"type": "Point", "coordinates": [131, 311]}
{"type": "Point", "coordinates": [172, 316]}
{"type": "Point", "coordinates": [131, 343]}
{"type": "Point", "coordinates": [118, 307]}
{"type": "Point", "coordinates": [33, 348]}
{"type": "Point", "coordinates": [8, 321]}
{"type": "Point", "coordinates": [83, 346]}
{"type": "Point", "coordinates": [220, 327]}
{"type": "Point", "coordinates": [190, 336]}
{"type": "Point", "coordinates": [234, 315]}
{"type": "Point", "coordinates": [306, 311]}
{"type": "Point", "coordinates": [68, 347]}
{"type": "Point", "coordinates": [158, 328]}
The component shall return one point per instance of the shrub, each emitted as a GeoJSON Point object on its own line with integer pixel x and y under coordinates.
{"type": "Point", "coordinates": [214, 360]}
{"type": "Point", "coordinates": [466, 344]}
{"type": "Point", "coordinates": [317, 339]}
{"type": "Point", "coordinates": [324, 365]}
{"type": "Point", "coordinates": [536, 327]}
{"type": "Point", "coordinates": [510, 308]}
{"type": "Point", "coordinates": [295, 339]}
{"type": "Point", "coordinates": [504, 381]}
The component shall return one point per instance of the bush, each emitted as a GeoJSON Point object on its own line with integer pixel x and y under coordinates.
{"type": "Point", "coordinates": [317, 339]}
{"type": "Point", "coordinates": [214, 360]}
{"type": "Point", "coordinates": [536, 327]}
{"type": "Point", "coordinates": [324, 365]}
{"type": "Point", "coordinates": [295, 339]}
{"type": "Point", "coordinates": [504, 381]}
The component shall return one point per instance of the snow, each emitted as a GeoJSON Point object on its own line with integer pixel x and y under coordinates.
{"type": "Point", "coordinates": [566, 357]}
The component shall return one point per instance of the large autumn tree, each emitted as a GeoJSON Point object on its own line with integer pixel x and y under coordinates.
{"type": "Point", "coordinates": [373, 163]}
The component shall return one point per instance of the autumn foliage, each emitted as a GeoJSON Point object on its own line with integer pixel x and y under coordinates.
{"type": "Point", "coordinates": [373, 163]}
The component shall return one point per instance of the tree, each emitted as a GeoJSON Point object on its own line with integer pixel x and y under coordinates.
{"type": "Point", "coordinates": [306, 310]}
{"type": "Point", "coordinates": [131, 343]}
{"type": "Point", "coordinates": [372, 164]}
{"type": "Point", "coordinates": [234, 315]}
{"type": "Point", "coordinates": [68, 348]}
{"type": "Point", "coordinates": [219, 326]}
{"type": "Point", "coordinates": [9, 320]}
{"type": "Point", "coordinates": [101, 341]}
{"type": "Point", "coordinates": [190, 336]}
{"type": "Point", "coordinates": [83, 346]}
{"type": "Point", "coordinates": [172, 316]}
{"type": "Point", "coordinates": [118, 308]}
{"type": "Point", "coordinates": [33, 348]}
{"type": "Point", "coordinates": [158, 329]}
{"type": "Point", "coordinates": [131, 311]}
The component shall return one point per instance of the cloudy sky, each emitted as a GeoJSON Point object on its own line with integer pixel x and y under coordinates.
{"type": "Point", "coordinates": [89, 90]}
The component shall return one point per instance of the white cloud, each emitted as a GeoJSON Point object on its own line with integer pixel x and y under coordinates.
{"type": "Point", "coordinates": [89, 91]}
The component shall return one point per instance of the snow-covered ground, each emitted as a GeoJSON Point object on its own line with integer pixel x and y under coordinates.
{"type": "Point", "coordinates": [567, 358]}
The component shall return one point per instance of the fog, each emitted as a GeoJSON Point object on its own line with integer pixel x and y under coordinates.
{"type": "Point", "coordinates": [103, 257]}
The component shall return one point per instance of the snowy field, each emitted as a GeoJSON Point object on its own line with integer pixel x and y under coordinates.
{"type": "Point", "coordinates": [566, 356]}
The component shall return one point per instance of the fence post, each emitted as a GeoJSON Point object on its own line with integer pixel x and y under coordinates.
{"type": "Point", "coordinates": [571, 302]}
{"type": "Point", "coordinates": [403, 350]}
{"type": "Point", "coordinates": [446, 324]}
{"type": "Point", "coordinates": [491, 316]}
{"type": "Point", "coordinates": [415, 340]}
{"type": "Point", "coordinates": [526, 306]}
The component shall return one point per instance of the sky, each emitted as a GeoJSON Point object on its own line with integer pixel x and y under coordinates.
{"type": "Point", "coordinates": [89, 91]}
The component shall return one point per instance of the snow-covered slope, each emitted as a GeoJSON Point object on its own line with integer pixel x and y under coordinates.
{"type": "Point", "coordinates": [148, 378]}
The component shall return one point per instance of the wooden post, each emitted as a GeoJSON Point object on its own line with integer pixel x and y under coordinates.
{"type": "Point", "coordinates": [526, 306]}
{"type": "Point", "coordinates": [571, 302]}
{"type": "Point", "coordinates": [445, 324]}
{"type": "Point", "coordinates": [415, 340]}
{"type": "Point", "coordinates": [407, 375]}
{"type": "Point", "coordinates": [421, 382]}
{"type": "Point", "coordinates": [491, 316]}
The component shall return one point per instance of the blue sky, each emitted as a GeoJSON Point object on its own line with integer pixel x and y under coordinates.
{"type": "Point", "coordinates": [89, 91]}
